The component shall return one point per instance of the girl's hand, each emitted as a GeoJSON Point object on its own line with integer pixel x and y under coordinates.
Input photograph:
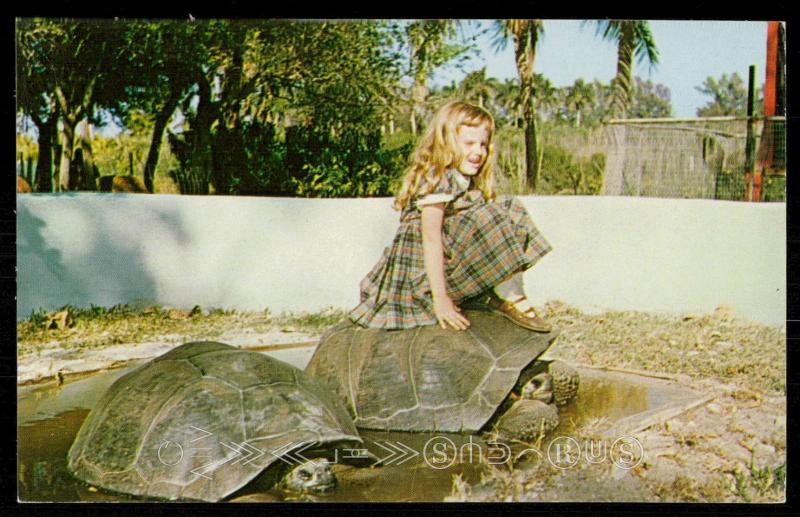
{"type": "Point", "coordinates": [448, 313]}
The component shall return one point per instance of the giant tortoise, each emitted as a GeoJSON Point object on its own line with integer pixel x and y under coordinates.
{"type": "Point", "coordinates": [206, 418]}
{"type": "Point", "coordinates": [432, 379]}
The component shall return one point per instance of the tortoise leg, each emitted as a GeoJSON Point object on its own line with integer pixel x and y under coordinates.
{"type": "Point", "coordinates": [527, 419]}
{"type": "Point", "coordinates": [565, 382]}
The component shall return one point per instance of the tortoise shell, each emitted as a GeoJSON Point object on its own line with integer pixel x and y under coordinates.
{"type": "Point", "coordinates": [426, 378]}
{"type": "Point", "coordinates": [203, 420]}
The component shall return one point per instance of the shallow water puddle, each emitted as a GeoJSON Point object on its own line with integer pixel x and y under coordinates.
{"type": "Point", "coordinates": [417, 466]}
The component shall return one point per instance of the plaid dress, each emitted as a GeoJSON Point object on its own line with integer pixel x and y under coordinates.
{"type": "Point", "coordinates": [484, 244]}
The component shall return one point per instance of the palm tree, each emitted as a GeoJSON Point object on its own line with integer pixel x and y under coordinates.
{"type": "Point", "coordinates": [578, 97]}
{"type": "Point", "coordinates": [477, 88]}
{"type": "Point", "coordinates": [546, 96]}
{"type": "Point", "coordinates": [525, 34]}
{"type": "Point", "coordinates": [633, 37]}
{"type": "Point", "coordinates": [507, 100]}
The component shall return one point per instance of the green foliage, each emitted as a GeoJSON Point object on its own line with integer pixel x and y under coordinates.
{"type": "Point", "coordinates": [728, 97]}
{"type": "Point", "coordinates": [773, 188]}
{"type": "Point", "coordinates": [27, 146]}
{"type": "Point", "coordinates": [730, 186]}
{"type": "Point", "coordinates": [334, 179]}
{"type": "Point", "coordinates": [650, 100]}
{"type": "Point", "coordinates": [307, 161]}
{"type": "Point", "coordinates": [353, 164]}
{"type": "Point", "coordinates": [767, 479]}
{"type": "Point", "coordinates": [220, 311]}
{"type": "Point", "coordinates": [293, 122]}
{"type": "Point", "coordinates": [763, 480]}
{"type": "Point", "coordinates": [111, 154]}
{"type": "Point", "coordinates": [311, 321]}
{"type": "Point", "coordinates": [563, 173]}
{"type": "Point", "coordinates": [38, 317]}
{"type": "Point", "coordinates": [578, 99]}
{"type": "Point", "coordinates": [322, 108]}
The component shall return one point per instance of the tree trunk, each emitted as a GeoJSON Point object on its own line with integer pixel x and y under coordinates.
{"type": "Point", "coordinates": [418, 94]}
{"type": "Point", "coordinates": [624, 77]}
{"type": "Point", "coordinates": [532, 154]}
{"type": "Point", "coordinates": [201, 169]}
{"type": "Point", "coordinates": [71, 114]}
{"type": "Point", "coordinates": [44, 164]}
{"type": "Point", "coordinates": [158, 134]}
{"type": "Point", "coordinates": [67, 139]}
{"type": "Point", "coordinates": [88, 177]}
{"type": "Point", "coordinates": [228, 155]}
{"type": "Point", "coordinates": [525, 40]}
{"type": "Point", "coordinates": [29, 170]}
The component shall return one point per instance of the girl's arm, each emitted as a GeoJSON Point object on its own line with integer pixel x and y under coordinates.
{"type": "Point", "coordinates": [433, 253]}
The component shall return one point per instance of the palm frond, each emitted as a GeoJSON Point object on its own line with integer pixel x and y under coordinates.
{"type": "Point", "coordinates": [645, 44]}
{"type": "Point", "coordinates": [501, 35]}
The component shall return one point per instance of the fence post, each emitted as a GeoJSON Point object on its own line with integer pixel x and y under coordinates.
{"type": "Point", "coordinates": [752, 191]}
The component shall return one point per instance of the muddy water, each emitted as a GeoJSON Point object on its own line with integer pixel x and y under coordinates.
{"type": "Point", "coordinates": [49, 417]}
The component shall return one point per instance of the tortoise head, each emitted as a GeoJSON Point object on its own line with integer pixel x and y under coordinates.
{"type": "Point", "coordinates": [312, 476]}
{"type": "Point", "coordinates": [540, 387]}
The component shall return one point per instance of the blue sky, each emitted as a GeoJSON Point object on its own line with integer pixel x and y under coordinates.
{"type": "Point", "coordinates": [689, 52]}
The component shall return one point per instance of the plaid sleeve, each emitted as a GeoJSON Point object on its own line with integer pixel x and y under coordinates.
{"type": "Point", "coordinates": [431, 199]}
{"type": "Point", "coordinates": [442, 192]}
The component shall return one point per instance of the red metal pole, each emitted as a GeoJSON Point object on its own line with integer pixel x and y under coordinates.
{"type": "Point", "coordinates": [770, 99]}
{"type": "Point", "coordinates": [771, 84]}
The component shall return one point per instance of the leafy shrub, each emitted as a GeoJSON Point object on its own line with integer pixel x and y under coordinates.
{"type": "Point", "coordinates": [562, 173]}
{"type": "Point", "coordinates": [309, 161]}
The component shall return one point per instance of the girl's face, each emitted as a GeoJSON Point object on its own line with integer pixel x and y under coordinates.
{"type": "Point", "coordinates": [473, 142]}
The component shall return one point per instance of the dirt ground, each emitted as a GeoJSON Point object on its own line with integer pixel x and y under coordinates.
{"type": "Point", "coordinates": [730, 449]}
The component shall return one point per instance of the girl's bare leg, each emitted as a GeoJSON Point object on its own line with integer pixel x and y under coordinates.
{"type": "Point", "coordinates": [514, 289]}
{"type": "Point", "coordinates": [514, 304]}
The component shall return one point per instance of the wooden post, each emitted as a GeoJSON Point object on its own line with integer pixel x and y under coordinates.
{"type": "Point", "coordinates": [130, 163]}
{"type": "Point", "coordinates": [750, 142]}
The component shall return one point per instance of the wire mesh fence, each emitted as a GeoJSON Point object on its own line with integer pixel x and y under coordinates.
{"type": "Point", "coordinates": [694, 158]}
{"type": "Point", "coordinates": [771, 159]}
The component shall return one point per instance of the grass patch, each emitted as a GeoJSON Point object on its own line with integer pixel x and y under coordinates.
{"type": "Point", "coordinates": [95, 326]}
{"type": "Point", "coordinates": [703, 346]}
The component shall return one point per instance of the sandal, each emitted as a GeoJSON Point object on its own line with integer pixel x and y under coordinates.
{"type": "Point", "coordinates": [527, 319]}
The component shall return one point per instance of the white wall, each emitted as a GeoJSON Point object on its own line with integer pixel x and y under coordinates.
{"type": "Point", "coordinates": [660, 255]}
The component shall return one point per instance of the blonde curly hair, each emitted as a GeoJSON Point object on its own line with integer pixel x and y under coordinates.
{"type": "Point", "coordinates": [438, 150]}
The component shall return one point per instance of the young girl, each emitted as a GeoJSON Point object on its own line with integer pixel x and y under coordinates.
{"type": "Point", "coordinates": [455, 240]}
